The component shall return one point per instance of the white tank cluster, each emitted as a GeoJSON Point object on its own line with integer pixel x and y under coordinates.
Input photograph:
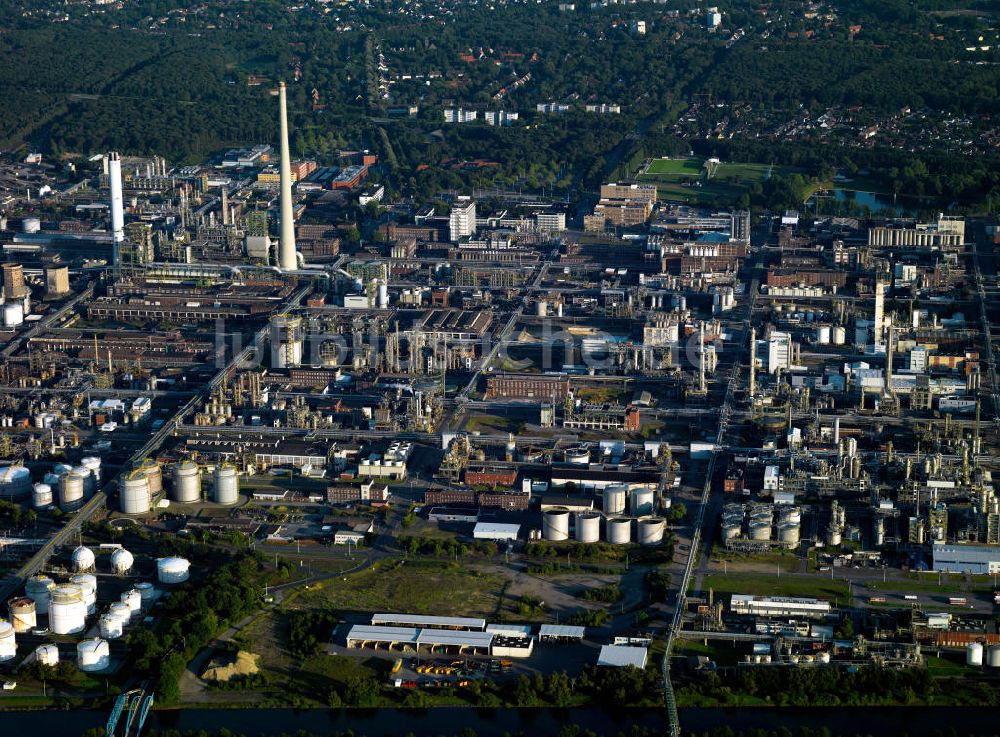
{"type": "Point", "coordinates": [37, 589]}
{"type": "Point", "coordinates": [15, 483]}
{"type": "Point", "coordinates": [47, 654]}
{"type": "Point", "coordinates": [187, 483]}
{"type": "Point", "coordinates": [23, 614]}
{"type": "Point", "coordinates": [83, 559]}
{"type": "Point", "coordinates": [93, 655]}
{"type": "Point", "coordinates": [227, 484]}
{"type": "Point", "coordinates": [122, 561]}
{"type": "Point", "coordinates": [67, 610]}
{"type": "Point", "coordinates": [176, 570]}
{"type": "Point", "coordinates": [8, 641]}
{"type": "Point", "coordinates": [88, 585]}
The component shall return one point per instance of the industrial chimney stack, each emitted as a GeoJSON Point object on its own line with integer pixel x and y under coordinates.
{"type": "Point", "coordinates": [286, 245]}
{"type": "Point", "coordinates": [117, 206]}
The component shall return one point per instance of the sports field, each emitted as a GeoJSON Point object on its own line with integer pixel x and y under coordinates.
{"type": "Point", "coordinates": [689, 180]}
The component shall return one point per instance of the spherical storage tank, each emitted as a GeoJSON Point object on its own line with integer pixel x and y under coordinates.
{"type": "Point", "coordinates": [613, 498]}
{"type": "Point", "coordinates": [111, 628]}
{"type": "Point", "coordinates": [555, 524]}
{"type": "Point", "coordinates": [93, 655]}
{"type": "Point", "coordinates": [67, 610]}
{"type": "Point", "coordinates": [187, 483]}
{"type": "Point", "coordinates": [71, 491]}
{"type": "Point", "coordinates": [37, 589]}
{"type": "Point", "coordinates": [974, 654]}
{"type": "Point", "coordinates": [993, 656]}
{"type": "Point", "coordinates": [41, 496]}
{"type": "Point", "coordinates": [15, 482]}
{"type": "Point", "coordinates": [88, 585]}
{"type": "Point", "coordinates": [176, 570]}
{"type": "Point", "coordinates": [650, 530]}
{"type": "Point", "coordinates": [642, 502]}
{"type": "Point", "coordinates": [8, 642]}
{"type": "Point", "coordinates": [588, 527]}
{"type": "Point", "coordinates": [83, 559]}
{"type": "Point", "coordinates": [22, 612]}
{"type": "Point", "coordinates": [227, 485]}
{"type": "Point", "coordinates": [122, 561]}
{"type": "Point", "coordinates": [135, 494]}
{"type": "Point", "coordinates": [618, 530]}
{"type": "Point", "coordinates": [47, 654]}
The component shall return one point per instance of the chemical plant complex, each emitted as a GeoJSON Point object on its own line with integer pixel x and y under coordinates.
{"type": "Point", "coordinates": [646, 436]}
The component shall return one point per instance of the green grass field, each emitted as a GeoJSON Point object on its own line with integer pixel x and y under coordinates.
{"type": "Point", "coordinates": [761, 585]}
{"type": "Point", "coordinates": [687, 180]}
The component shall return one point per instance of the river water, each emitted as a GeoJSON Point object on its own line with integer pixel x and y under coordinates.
{"type": "Point", "coordinates": [912, 721]}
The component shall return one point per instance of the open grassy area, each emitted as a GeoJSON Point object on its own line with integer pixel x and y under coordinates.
{"type": "Point", "coordinates": [723, 653]}
{"type": "Point", "coordinates": [803, 586]}
{"type": "Point", "coordinates": [948, 667]}
{"type": "Point", "coordinates": [411, 586]}
{"type": "Point", "coordinates": [786, 559]}
{"type": "Point", "coordinates": [688, 180]}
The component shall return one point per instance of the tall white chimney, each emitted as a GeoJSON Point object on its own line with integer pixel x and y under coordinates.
{"type": "Point", "coordinates": [286, 245]}
{"type": "Point", "coordinates": [117, 205]}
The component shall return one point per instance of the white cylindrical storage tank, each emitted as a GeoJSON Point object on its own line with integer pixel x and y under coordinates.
{"type": "Point", "coordinates": [122, 561]}
{"type": "Point", "coordinates": [83, 559]}
{"type": "Point", "coordinates": [789, 533]}
{"type": "Point", "coordinates": [13, 314]}
{"type": "Point", "coordinates": [135, 494]}
{"type": "Point", "coordinates": [176, 570]}
{"type": "Point", "coordinates": [974, 654]}
{"type": "Point", "coordinates": [88, 479]}
{"type": "Point", "coordinates": [578, 456]}
{"type": "Point", "coordinates": [588, 527]}
{"type": "Point", "coordinates": [22, 612]}
{"type": "Point", "coordinates": [618, 530]}
{"type": "Point", "coordinates": [227, 485]}
{"type": "Point", "coordinates": [133, 599]}
{"type": "Point", "coordinates": [15, 483]}
{"type": "Point", "coordinates": [120, 611]}
{"type": "Point", "coordinates": [52, 479]}
{"type": "Point", "coordinates": [383, 295]}
{"type": "Point", "coordinates": [41, 496]}
{"type": "Point", "coordinates": [146, 591]}
{"type": "Point", "coordinates": [37, 589]}
{"type": "Point", "coordinates": [154, 475]}
{"type": "Point", "coordinates": [993, 656]}
{"type": "Point", "coordinates": [541, 308]}
{"type": "Point", "coordinates": [187, 483]}
{"type": "Point", "coordinates": [31, 225]}
{"type": "Point", "coordinates": [67, 610]}
{"type": "Point", "coordinates": [760, 530]}
{"type": "Point", "coordinates": [649, 531]}
{"type": "Point", "coordinates": [613, 499]}
{"type": "Point", "coordinates": [71, 491]}
{"type": "Point", "coordinates": [93, 655]}
{"type": "Point", "coordinates": [823, 657]}
{"type": "Point", "coordinates": [47, 654]}
{"type": "Point", "coordinates": [823, 334]}
{"type": "Point", "coordinates": [111, 627]}
{"type": "Point", "coordinates": [8, 641]}
{"type": "Point", "coordinates": [731, 530]}
{"type": "Point", "coordinates": [555, 524]}
{"type": "Point", "coordinates": [88, 585]}
{"type": "Point", "coordinates": [642, 502]}
{"type": "Point", "coordinates": [92, 464]}
{"type": "Point", "coordinates": [839, 335]}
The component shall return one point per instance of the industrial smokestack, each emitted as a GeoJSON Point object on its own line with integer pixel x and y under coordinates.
{"type": "Point", "coordinates": [286, 244]}
{"type": "Point", "coordinates": [117, 206]}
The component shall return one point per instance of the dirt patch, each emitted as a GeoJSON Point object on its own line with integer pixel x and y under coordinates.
{"type": "Point", "coordinates": [245, 664]}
